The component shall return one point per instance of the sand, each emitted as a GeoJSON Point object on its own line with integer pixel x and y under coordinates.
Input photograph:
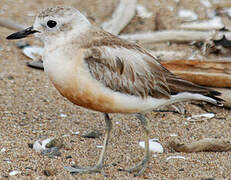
{"type": "Point", "coordinates": [32, 109]}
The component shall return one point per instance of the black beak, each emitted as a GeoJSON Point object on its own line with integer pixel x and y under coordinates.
{"type": "Point", "coordinates": [22, 34]}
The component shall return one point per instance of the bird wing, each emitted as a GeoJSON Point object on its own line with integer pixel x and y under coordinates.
{"type": "Point", "coordinates": [128, 71]}
{"type": "Point", "coordinates": [128, 68]}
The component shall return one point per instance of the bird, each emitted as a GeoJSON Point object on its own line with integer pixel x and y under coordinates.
{"type": "Point", "coordinates": [99, 71]}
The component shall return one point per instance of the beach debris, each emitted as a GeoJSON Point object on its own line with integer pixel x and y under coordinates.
{"type": "Point", "coordinates": [214, 23]}
{"type": "Point", "coordinates": [39, 145]}
{"type": "Point", "coordinates": [201, 116]}
{"type": "Point", "coordinates": [33, 52]}
{"type": "Point", "coordinates": [173, 135]}
{"type": "Point", "coordinates": [92, 134]}
{"type": "Point", "coordinates": [121, 17]}
{"type": "Point", "coordinates": [154, 145]}
{"type": "Point", "coordinates": [99, 146]}
{"type": "Point", "coordinates": [68, 157]}
{"type": "Point", "coordinates": [51, 152]}
{"type": "Point", "coordinates": [75, 132]}
{"type": "Point", "coordinates": [14, 172]}
{"type": "Point", "coordinates": [3, 150]}
{"type": "Point", "coordinates": [207, 144]}
{"type": "Point", "coordinates": [49, 147]}
{"type": "Point", "coordinates": [35, 64]}
{"type": "Point", "coordinates": [62, 115]}
{"type": "Point", "coordinates": [187, 15]}
{"type": "Point", "coordinates": [142, 11]}
{"type": "Point", "coordinates": [181, 35]}
{"type": "Point", "coordinates": [8, 161]}
{"type": "Point", "coordinates": [175, 157]}
{"type": "Point", "coordinates": [214, 73]}
{"type": "Point", "coordinates": [56, 142]}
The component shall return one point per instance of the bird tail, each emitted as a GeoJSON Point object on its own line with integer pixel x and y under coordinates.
{"type": "Point", "coordinates": [179, 86]}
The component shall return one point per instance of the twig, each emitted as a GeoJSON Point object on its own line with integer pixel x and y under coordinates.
{"type": "Point", "coordinates": [207, 144]}
{"type": "Point", "coordinates": [173, 36]}
{"type": "Point", "coordinates": [11, 24]}
{"type": "Point", "coordinates": [121, 17]}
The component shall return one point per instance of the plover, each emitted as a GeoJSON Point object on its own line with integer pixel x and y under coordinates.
{"type": "Point", "coordinates": [99, 71]}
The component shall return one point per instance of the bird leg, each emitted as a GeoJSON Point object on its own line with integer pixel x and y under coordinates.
{"type": "Point", "coordinates": [140, 167]}
{"type": "Point", "coordinates": [98, 167]}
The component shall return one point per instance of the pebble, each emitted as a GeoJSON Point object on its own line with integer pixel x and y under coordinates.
{"type": "Point", "coordinates": [39, 145]}
{"type": "Point", "coordinates": [175, 157]}
{"type": "Point", "coordinates": [37, 64]}
{"type": "Point", "coordinates": [92, 134]}
{"type": "Point", "coordinates": [63, 115]}
{"type": "Point", "coordinates": [15, 172]}
{"type": "Point", "coordinates": [3, 150]}
{"type": "Point", "coordinates": [55, 143]}
{"type": "Point", "coordinates": [7, 161]}
{"type": "Point", "coordinates": [68, 157]}
{"type": "Point", "coordinates": [51, 152]}
{"type": "Point", "coordinates": [154, 146]}
{"type": "Point", "coordinates": [173, 135]}
{"type": "Point", "coordinates": [75, 132]}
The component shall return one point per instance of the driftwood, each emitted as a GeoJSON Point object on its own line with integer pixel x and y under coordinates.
{"type": "Point", "coordinates": [174, 36]}
{"type": "Point", "coordinates": [207, 73]}
{"type": "Point", "coordinates": [121, 17]}
{"type": "Point", "coordinates": [211, 24]}
{"type": "Point", "coordinates": [169, 55]}
{"type": "Point", "coordinates": [207, 144]}
{"type": "Point", "coordinates": [11, 24]}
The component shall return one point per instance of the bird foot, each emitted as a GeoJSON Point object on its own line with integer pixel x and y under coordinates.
{"type": "Point", "coordinates": [77, 169]}
{"type": "Point", "coordinates": [139, 168]}
{"type": "Point", "coordinates": [91, 169]}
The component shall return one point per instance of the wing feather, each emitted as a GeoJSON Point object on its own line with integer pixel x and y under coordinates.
{"type": "Point", "coordinates": [128, 68]}
{"type": "Point", "coordinates": [127, 71]}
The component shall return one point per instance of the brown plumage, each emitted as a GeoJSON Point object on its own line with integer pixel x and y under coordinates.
{"type": "Point", "coordinates": [119, 74]}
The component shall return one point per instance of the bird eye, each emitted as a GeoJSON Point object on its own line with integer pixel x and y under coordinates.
{"type": "Point", "coordinates": [51, 23]}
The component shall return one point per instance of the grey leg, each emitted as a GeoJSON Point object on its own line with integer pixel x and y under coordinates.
{"type": "Point", "coordinates": [98, 167]}
{"type": "Point", "coordinates": [140, 168]}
